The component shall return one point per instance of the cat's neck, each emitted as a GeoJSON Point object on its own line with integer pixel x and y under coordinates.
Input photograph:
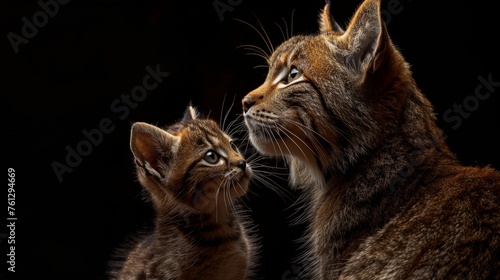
{"type": "Point", "coordinates": [412, 144]}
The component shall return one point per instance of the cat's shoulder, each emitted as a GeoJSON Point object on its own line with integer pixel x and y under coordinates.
{"type": "Point", "coordinates": [454, 222]}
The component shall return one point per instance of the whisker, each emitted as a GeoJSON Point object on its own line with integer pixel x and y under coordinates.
{"type": "Point", "coordinates": [259, 55]}
{"type": "Point", "coordinates": [227, 113]}
{"type": "Point", "coordinates": [281, 30]}
{"type": "Point", "coordinates": [222, 108]}
{"type": "Point", "coordinates": [275, 140]}
{"type": "Point", "coordinates": [264, 36]}
{"type": "Point", "coordinates": [302, 126]}
{"type": "Point", "coordinates": [261, 66]}
{"type": "Point", "coordinates": [313, 142]}
{"type": "Point", "coordinates": [283, 193]}
{"type": "Point", "coordinates": [267, 36]}
{"type": "Point", "coordinates": [285, 130]}
{"type": "Point", "coordinates": [216, 200]}
{"type": "Point", "coordinates": [232, 202]}
{"type": "Point", "coordinates": [257, 50]}
{"type": "Point", "coordinates": [286, 29]}
{"type": "Point", "coordinates": [233, 131]}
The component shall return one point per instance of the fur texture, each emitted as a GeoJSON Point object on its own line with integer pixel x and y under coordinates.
{"type": "Point", "coordinates": [388, 199]}
{"type": "Point", "coordinates": [193, 175]}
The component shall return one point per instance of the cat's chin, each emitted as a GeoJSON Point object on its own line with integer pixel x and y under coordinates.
{"type": "Point", "coordinates": [271, 141]}
{"type": "Point", "coordinates": [265, 146]}
{"type": "Point", "coordinates": [282, 147]}
{"type": "Point", "coordinates": [218, 188]}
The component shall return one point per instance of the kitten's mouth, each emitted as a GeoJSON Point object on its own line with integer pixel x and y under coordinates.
{"type": "Point", "coordinates": [232, 185]}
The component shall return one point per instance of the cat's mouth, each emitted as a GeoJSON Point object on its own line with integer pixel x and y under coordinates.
{"type": "Point", "coordinates": [272, 138]}
{"type": "Point", "coordinates": [263, 128]}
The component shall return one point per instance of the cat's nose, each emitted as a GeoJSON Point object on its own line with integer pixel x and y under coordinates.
{"type": "Point", "coordinates": [247, 102]}
{"type": "Point", "coordinates": [242, 164]}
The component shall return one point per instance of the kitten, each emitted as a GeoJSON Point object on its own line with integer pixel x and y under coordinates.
{"type": "Point", "coordinates": [193, 174]}
{"type": "Point", "coordinates": [388, 199]}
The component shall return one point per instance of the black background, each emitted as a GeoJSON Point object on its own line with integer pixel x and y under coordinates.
{"type": "Point", "coordinates": [65, 78]}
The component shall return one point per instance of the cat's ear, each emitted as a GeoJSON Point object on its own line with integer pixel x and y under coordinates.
{"type": "Point", "coordinates": [152, 147]}
{"type": "Point", "coordinates": [190, 114]}
{"type": "Point", "coordinates": [327, 23]}
{"type": "Point", "coordinates": [365, 36]}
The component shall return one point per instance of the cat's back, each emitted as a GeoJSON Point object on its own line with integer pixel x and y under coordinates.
{"type": "Point", "coordinates": [452, 231]}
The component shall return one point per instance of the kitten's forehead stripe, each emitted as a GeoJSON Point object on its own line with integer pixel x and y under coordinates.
{"type": "Point", "coordinates": [213, 139]}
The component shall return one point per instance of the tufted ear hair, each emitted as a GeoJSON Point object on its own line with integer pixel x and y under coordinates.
{"type": "Point", "coordinates": [365, 36]}
{"type": "Point", "coordinates": [190, 114]}
{"type": "Point", "coordinates": [327, 22]}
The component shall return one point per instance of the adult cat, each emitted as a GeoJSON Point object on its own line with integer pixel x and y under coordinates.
{"type": "Point", "coordinates": [193, 175]}
{"type": "Point", "coordinates": [388, 199]}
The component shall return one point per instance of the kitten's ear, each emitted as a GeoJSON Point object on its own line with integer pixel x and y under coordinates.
{"type": "Point", "coordinates": [152, 147]}
{"type": "Point", "coordinates": [326, 21]}
{"type": "Point", "coordinates": [365, 36]}
{"type": "Point", "coordinates": [190, 114]}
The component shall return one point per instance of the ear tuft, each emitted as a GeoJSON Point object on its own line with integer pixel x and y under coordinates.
{"type": "Point", "coordinates": [327, 22]}
{"type": "Point", "coordinates": [190, 114]}
{"type": "Point", "coordinates": [364, 35]}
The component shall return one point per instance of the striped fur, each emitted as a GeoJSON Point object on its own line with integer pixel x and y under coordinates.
{"type": "Point", "coordinates": [388, 199]}
{"type": "Point", "coordinates": [193, 175]}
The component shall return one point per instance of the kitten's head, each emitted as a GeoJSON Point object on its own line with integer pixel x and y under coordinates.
{"type": "Point", "coordinates": [328, 98]}
{"type": "Point", "coordinates": [192, 163]}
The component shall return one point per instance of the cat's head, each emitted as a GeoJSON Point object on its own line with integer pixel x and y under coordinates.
{"type": "Point", "coordinates": [192, 163]}
{"type": "Point", "coordinates": [326, 96]}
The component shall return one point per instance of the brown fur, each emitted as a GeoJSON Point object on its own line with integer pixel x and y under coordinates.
{"type": "Point", "coordinates": [388, 199]}
{"type": "Point", "coordinates": [198, 233]}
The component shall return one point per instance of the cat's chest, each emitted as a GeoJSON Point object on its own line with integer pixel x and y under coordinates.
{"type": "Point", "coordinates": [332, 218]}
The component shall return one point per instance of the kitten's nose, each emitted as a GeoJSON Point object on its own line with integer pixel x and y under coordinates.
{"type": "Point", "coordinates": [242, 164]}
{"type": "Point", "coordinates": [247, 102]}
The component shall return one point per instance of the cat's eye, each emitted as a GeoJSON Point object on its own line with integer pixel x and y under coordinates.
{"type": "Point", "coordinates": [293, 74]}
{"type": "Point", "coordinates": [211, 157]}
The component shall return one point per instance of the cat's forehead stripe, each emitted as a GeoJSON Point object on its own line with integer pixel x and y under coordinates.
{"type": "Point", "coordinates": [282, 74]}
{"type": "Point", "coordinates": [285, 61]}
{"type": "Point", "coordinates": [284, 58]}
{"type": "Point", "coordinates": [283, 65]}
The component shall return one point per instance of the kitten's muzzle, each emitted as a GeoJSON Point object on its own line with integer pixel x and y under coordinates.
{"type": "Point", "coordinates": [242, 164]}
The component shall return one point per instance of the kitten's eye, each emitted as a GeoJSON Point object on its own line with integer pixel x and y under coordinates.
{"type": "Point", "coordinates": [294, 73]}
{"type": "Point", "coordinates": [233, 145]}
{"type": "Point", "coordinates": [211, 157]}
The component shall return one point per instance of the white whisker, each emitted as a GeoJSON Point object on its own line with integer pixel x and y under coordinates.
{"type": "Point", "coordinates": [267, 42]}
{"type": "Point", "coordinates": [290, 133]}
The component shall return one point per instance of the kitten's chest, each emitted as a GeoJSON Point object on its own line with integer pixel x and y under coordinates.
{"type": "Point", "coordinates": [227, 261]}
